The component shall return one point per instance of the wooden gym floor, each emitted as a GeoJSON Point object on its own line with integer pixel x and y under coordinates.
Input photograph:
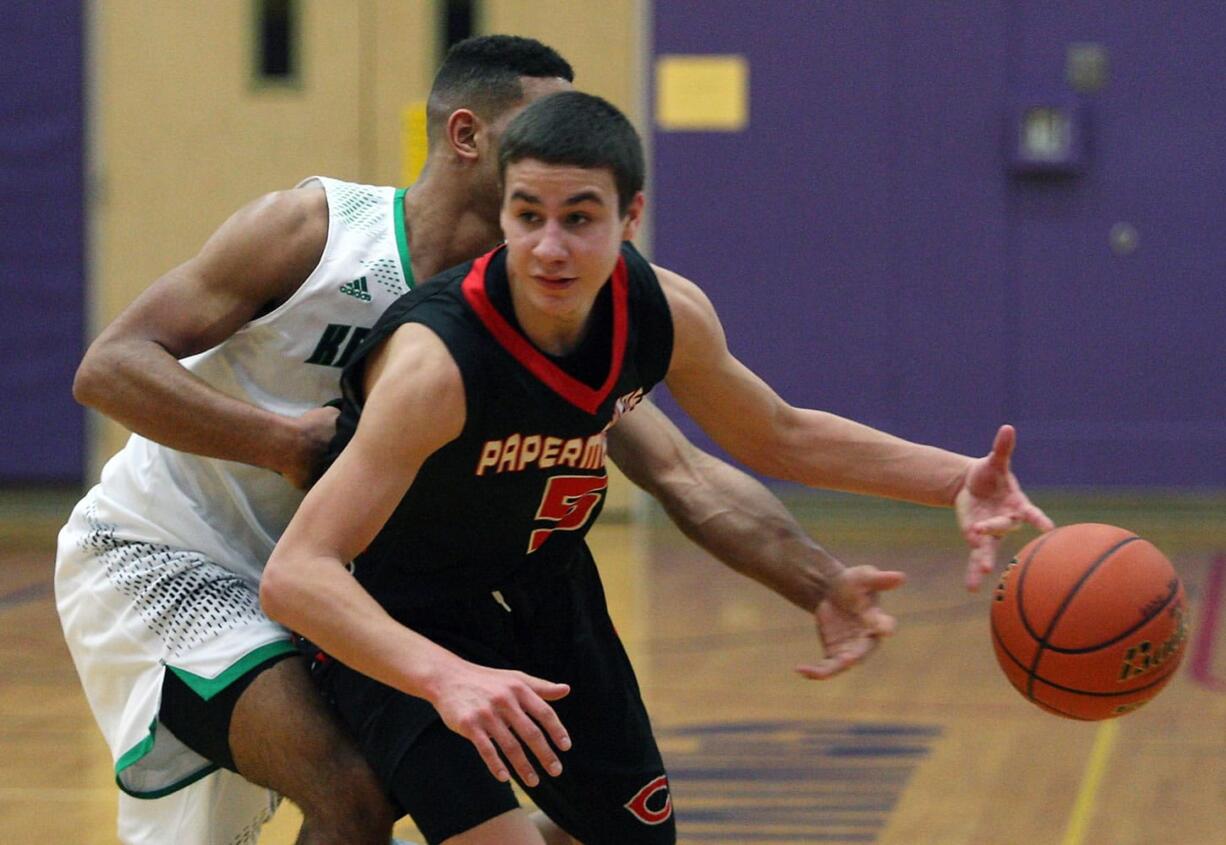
{"type": "Point", "coordinates": [925, 743]}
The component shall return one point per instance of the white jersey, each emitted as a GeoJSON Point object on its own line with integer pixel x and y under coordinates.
{"type": "Point", "coordinates": [288, 362]}
{"type": "Point", "coordinates": [159, 564]}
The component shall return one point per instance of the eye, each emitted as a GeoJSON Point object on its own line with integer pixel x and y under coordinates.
{"type": "Point", "coordinates": [528, 217]}
{"type": "Point", "coordinates": [577, 218]}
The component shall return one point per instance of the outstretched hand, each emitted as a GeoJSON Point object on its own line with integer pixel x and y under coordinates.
{"type": "Point", "coordinates": [849, 622]}
{"type": "Point", "coordinates": [991, 504]}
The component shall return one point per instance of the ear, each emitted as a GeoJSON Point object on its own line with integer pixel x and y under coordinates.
{"type": "Point", "coordinates": [634, 217]}
{"type": "Point", "coordinates": [462, 129]}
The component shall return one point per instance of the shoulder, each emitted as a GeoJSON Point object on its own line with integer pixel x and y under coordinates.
{"type": "Point", "coordinates": [412, 346]}
{"type": "Point", "coordinates": [414, 365]}
{"type": "Point", "coordinates": [432, 315]}
{"type": "Point", "coordinates": [697, 332]}
{"type": "Point", "coordinates": [685, 299]}
{"type": "Point", "coordinates": [300, 212]}
{"type": "Point", "coordinates": [273, 243]}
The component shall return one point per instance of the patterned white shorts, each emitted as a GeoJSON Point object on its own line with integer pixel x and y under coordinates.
{"type": "Point", "coordinates": [129, 610]}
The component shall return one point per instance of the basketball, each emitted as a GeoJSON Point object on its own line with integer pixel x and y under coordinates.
{"type": "Point", "coordinates": [1089, 621]}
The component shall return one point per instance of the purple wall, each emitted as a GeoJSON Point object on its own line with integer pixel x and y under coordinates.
{"type": "Point", "coordinates": [41, 240]}
{"type": "Point", "coordinates": [871, 253]}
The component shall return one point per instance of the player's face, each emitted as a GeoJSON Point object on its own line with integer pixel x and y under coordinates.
{"type": "Point", "coordinates": [564, 233]}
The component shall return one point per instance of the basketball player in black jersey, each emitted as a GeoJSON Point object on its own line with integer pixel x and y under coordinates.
{"type": "Point", "coordinates": [475, 630]}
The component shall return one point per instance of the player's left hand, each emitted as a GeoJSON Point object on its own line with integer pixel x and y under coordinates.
{"type": "Point", "coordinates": [306, 462]}
{"type": "Point", "coordinates": [991, 504]}
{"type": "Point", "coordinates": [849, 622]}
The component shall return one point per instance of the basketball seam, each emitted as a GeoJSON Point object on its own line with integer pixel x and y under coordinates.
{"type": "Point", "coordinates": [1021, 580]}
{"type": "Point", "coordinates": [1064, 605]}
{"type": "Point", "coordinates": [1154, 682]}
{"type": "Point", "coordinates": [1174, 594]}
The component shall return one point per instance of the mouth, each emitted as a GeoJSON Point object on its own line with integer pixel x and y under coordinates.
{"type": "Point", "coordinates": [554, 282]}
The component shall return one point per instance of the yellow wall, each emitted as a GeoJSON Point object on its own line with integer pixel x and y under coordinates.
{"type": "Point", "coordinates": [182, 137]}
{"type": "Point", "coordinates": [600, 38]}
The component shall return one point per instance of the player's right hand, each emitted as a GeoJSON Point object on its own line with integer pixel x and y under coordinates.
{"type": "Point", "coordinates": [850, 624]}
{"type": "Point", "coordinates": [315, 428]}
{"type": "Point", "coordinates": [501, 710]}
{"type": "Point", "coordinates": [991, 504]}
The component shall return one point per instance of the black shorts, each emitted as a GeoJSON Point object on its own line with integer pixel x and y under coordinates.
{"type": "Point", "coordinates": [203, 724]}
{"type": "Point", "coordinates": [613, 789]}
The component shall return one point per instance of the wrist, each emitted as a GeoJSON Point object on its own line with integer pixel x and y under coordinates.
{"type": "Point", "coordinates": [284, 442]}
{"type": "Point", "coordinates": [827, 571]}
{"type": "Point", "coordinates": [428, 670]}
{"type": "Point", "coordinates": [957, 483]}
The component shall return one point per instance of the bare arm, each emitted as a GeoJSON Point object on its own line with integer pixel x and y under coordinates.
{"type": "Point", "coordinates": [743, 524]}
{"type": "Point", "coordinates": [305, 585]}
{"type": "Point", "coordinates": [816, 448]}
{"type": "Point", "coordinates": [131, 373]}
{"type": "Point", "coordinates": [820, 449]}
{"type": "Point", "coordinates": [414, 405]}
{"type": "Point", "coordinates": [722, 509]}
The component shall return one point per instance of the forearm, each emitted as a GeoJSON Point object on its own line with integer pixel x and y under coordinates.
{"type": "Point", "coordinates": [142, 386]}
{"type": "Point", "coordinates": [742, 524]}
{"type": "Point", "coordinates": [831, 452]}
{"type": "Point", "coordinates": [316, 597]}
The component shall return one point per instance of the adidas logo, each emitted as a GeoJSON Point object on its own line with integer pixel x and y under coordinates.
{"type": "Point", "coordinates": [356, 289]}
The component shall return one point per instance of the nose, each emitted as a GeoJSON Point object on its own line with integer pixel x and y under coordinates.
{"type": "Point", "coordinates": [549, 246]}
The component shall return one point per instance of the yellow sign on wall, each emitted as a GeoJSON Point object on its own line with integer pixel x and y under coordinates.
{"type": "Point", "coordinates": [702, 93]}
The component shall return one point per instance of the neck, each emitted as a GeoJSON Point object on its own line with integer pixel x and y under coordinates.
{"type": "Point", "coordinates": [445, 226]}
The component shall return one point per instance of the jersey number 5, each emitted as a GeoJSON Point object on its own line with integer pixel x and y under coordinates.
{"type": "Point", "coordinates": [568, 503]}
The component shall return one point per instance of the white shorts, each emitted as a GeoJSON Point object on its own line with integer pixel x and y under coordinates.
{"type": "Point", "coordinates": [220, 809]}
{"type": "Point", "coordinates": [130, 609]}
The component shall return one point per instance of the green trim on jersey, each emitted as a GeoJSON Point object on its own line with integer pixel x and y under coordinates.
{"type": "Point", "coordinates": [206, 688]}
{"type": "Point", "coordinates": [138, 751]}
{"type": "Point", "coordinates": [402, 238]}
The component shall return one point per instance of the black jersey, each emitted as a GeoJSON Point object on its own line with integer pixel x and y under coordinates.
{"type": "Point", "coordinates": [516, 492]}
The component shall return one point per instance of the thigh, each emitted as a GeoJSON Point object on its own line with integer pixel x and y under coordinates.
{"type": "Point", "coordinates": [613, 789]}
{"type": "Point", "coordinates": [202, 722]}
{"type": "Point", "coordinates": [444, 785]}
{"type": "Point", "coordinates": [221, 809]}
{"type": "Point", "coordinates": [285, 735]}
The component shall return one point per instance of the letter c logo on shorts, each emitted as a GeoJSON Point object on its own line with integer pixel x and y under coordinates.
{"type": "Point", "coordinates": [638, 804]}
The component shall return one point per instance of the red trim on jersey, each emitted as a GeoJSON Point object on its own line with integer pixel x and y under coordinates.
{"type": "Point", "coordinates": [569, 388]}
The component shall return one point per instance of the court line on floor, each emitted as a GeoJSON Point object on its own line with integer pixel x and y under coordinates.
{"type": "Point", "coordinates": [1096, 765]}
{"type": "Point", "coordinates": [24, 595]}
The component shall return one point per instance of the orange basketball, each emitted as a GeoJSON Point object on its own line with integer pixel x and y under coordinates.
{"type": "Point", "coordinates": [1089, 621]}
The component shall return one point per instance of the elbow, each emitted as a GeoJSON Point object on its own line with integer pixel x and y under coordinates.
{"type": "Point", "coordinates": [276, 591]}
{"type": "Point", "coordinates": [101, 373]}
{"type": "Point", "coordinates": [88, 382]}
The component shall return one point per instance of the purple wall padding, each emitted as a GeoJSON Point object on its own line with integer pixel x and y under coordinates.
{"type": "Point", "coordinates": [42, 240]}
{"type": "Point", "coordinates": [870, 252]}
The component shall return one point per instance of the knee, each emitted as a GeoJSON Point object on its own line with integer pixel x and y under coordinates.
{"type": "Point", "coordinates": [351, 817]}
{"type": "Point", "coordinates": [348, 796]}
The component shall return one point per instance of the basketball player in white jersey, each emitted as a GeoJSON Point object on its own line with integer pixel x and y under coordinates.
{"type": "Point", "coordinates": [220, 368]}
